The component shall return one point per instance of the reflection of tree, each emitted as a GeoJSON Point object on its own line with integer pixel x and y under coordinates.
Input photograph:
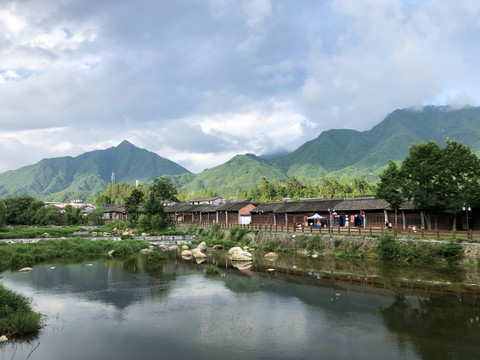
{"type": "Point", "coordinates": [440, 327]}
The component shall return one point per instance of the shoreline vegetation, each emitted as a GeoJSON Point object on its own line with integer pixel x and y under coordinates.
{"type": "Point", "coordinates": [19, 319]}
{"type": "Point", "coordinates": [384, 247]}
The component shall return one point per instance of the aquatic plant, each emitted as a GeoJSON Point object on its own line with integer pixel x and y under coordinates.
{"type": "Point", "coordinates": [212, 270]}
{"type": "Point", "coordinates": [16, 314]}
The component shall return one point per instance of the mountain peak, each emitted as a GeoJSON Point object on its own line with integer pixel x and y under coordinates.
{"type": "Point", "coordinates": [125, 143]}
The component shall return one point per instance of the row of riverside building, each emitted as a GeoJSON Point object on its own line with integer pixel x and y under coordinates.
{"type": "Point", "coordinates": [364, 211]}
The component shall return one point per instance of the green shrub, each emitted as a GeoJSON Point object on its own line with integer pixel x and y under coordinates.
{"type": "Point", "coordinates": [451, 251]}
{"type": "Point", "coordinates": [211, 270]}
{"type": "Point", "coordinates": [387, 248]}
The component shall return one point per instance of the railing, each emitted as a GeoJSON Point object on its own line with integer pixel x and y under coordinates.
{"type": "Point", "coordinates": [468, 236]}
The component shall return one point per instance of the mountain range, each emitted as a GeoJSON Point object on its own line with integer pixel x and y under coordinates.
{"type": "Point", "coordinates": [333, 152]}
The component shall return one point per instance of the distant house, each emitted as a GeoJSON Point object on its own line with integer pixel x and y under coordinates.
{"type": "Point", "coordinates": [217, 200]}
{"type": "Point", "coordinates": [114, 212]}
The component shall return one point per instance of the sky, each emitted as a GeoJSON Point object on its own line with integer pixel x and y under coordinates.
{"type": "Point", "coordinates": [199, 81]}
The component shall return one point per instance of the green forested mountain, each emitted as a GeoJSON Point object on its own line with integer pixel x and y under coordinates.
{"type": "Point", "coordinates": [240, 172]}
{"type": "Point", "coordinates": [81, 177]}
{"type": "Point", "coordinates": [364, 154]}
{"type": "Point", "coordinates": [333, 152]}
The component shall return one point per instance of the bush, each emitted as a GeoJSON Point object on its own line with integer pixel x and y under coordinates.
{"type": "Point", "coordinates": [388, 248]}
{"type": "Point", "coordinates": [451, 251]}
{"type": "Point", "coordinates": [211, 270]}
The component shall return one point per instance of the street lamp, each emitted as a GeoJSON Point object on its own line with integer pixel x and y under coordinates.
{"type": "Point", "coordinates": [467, 208]}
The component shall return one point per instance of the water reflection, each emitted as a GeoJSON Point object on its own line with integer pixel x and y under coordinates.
{"type": "Point", "coordinates": [133, 308]}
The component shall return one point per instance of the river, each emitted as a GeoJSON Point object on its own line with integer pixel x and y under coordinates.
{"type": "Point", "coordinates": [305, 309]}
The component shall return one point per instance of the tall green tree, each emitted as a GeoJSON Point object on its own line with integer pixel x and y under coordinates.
{"type": "Point", "coordinates": [21, 209]}
{"type": "Point", "coordinates": [389, 187]}
{"type": "Point", "coordinates": [163, 189]}
{"type": "Point", "coordinates": [461, 175]}
{"type": "Point", "coordinates": [132, 203]}
{"type": "Point", "coordinates": [71, 215]}
{"type": "Point", "coordinates": [3, 214]}
{"type": "Point", "coordinates": [423, 183]}
{"type": "Point", "coordinates": [48, 215]}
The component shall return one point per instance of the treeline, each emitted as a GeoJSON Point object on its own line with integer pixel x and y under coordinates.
{"type": "Point", "coordinates": [116, 194]}
{"type": "Point", "coordinates": [437, 180]}
{"type": "Point", "coordinates": [151, 199]}
{"type": "Point", "coordinates": [26, 210]}
{"type": "Point", "coordinates": [271, 190]}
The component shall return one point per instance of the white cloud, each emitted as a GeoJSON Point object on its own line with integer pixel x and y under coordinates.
{"type": "Point", "coordinates": [198, 82]}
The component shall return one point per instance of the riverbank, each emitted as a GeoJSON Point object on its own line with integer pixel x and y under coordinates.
{"type": "Point", "coordinates": [385, 247]}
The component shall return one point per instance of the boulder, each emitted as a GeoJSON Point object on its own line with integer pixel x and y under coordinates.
{"type": "Point", "coordinates": [110, 253]}
{"type": "Point", "coordinates": [246, 248]}
{"type": "Point", "coordinates": [144, 235]}
{"type": "Point", "coordinates": [162, 247]}
{"type": "Point", "coordinates": [94, 234]}
{"type": "Point", "coordinates": [315, 256]}
{"type": "Point", "coordinates": [202, 246]}
{"type": "Point", "coordinates": [181, 242]}
{"type": "Point", "coordinates": [271, 256]}
{"type": "Point", "coordinates": [270, 270]}
{"type": "Point", "coordinates": [185, 247]}
{"type": "Point", "coordinates": [217, 247]}
{"type": "Point", "coordinates": [200, 260]}
{"type": "Point", "coordinates": [26, 269]}
{"type": "Point", "coordinates": [199, 254]}
{"type": "Point", "coordinates": [173, 248]}
{"type": "Point", "coordinates": [146, 251]}
{"type": "Point", "coordinates": [242, 265]}
{"type": "Point", "coordinates": [237, 254]}
{"type": "Point", "coordinates": [186, 253]}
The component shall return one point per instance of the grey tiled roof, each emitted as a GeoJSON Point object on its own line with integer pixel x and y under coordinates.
{"type": "Point", "coordinates": [305, 206]}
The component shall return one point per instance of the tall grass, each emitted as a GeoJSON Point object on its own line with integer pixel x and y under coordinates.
{"type": "Point", "coordinates": [16, 314]}
{"type": "Point", "coordinates": [13, 256]}
{"type": "Point", "coordinates": [30, 232]}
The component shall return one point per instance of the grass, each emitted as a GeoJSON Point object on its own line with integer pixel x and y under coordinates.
{"type": "Point", "coordinates": [16, 314]}
{"type": "Point", "coordinates": [30, 232]}
{"type": "Point", "coordinates": [212, 270]}
{"type": "Point", "coordinates": [14, 256]}
{"type": "Point", "coordinates": [414, 251]}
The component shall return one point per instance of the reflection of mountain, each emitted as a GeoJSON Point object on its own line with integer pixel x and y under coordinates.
{"type": "Point", "coordinates": [450, 321]}
{"type": "Point", "coordinates": [116, 282]}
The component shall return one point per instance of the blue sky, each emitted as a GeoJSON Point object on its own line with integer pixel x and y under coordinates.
{"type": "Point", "coordinates": [199, 81]}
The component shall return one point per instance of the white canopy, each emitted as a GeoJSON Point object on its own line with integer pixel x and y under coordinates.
{"type": "Point", "coordinates": [316, 217]}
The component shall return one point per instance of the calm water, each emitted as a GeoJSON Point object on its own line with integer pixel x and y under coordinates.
{"type": "Point", "coordinates": [307, 309]}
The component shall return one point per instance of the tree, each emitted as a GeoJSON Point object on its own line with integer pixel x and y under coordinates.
{"type": "Point", "coordinates": [163, 189]}
{"type": "Point", "coordinates": [21, 210]}
{"type": "Point", "coordinates": [71, 215]}
{"type": "Point", "coordinates": [461, 178]}
{"type": "Point", "coordinates": [131, 204]}
{"type": "Point", "coordinates": [95, 217]}
{"type": "Point", "coordinates": [421, 173]}
{"type": "Point", "coordinates": [48, 215]}
{"type": "Point", "coordinates": [3, 214]}
{"type": "Point", "coordinates": [390, 187]}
